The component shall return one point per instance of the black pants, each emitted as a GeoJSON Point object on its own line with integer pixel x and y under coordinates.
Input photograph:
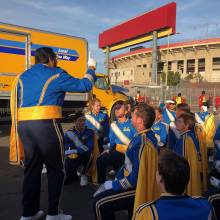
{"type": "Point", "coordinates": [43, 143]}
{"type": "Point", "coordinates": [72, 164]}
{"type": "Point", "coordinates": [107, 203]}
{"type": "Point", "coordinates": [213, 195]}
{"type": "Point", "coordinates": [100, 144]}
{"type": "Point", "coordinates": [114, 159]}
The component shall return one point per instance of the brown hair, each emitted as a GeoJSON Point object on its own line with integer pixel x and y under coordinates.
{"type": "Point", "coordinates": [147, 113]}
{"type": "Point", "coordinates": [174, 171]}
{"type": "Point", "coordinates": [157, 108]}
{"type": "Point", "coordinates": [183, 107]}
{"type": "Point", "coordinates": [92, 102]}
{"type": "Point", "coordinates": [189, 119]}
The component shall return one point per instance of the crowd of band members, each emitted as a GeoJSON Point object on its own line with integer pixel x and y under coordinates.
{"type": "Point", "coordinates": [145, 132]}
{"type": "Point", "coordinates": [150, 182]}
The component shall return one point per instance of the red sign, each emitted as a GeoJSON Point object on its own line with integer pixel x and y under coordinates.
{"type": "Point", "coordinates": [126, 82]}
{"type": "Point", "coordinates": [155, 20]}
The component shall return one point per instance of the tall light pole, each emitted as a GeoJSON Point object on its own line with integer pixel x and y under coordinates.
{"type": "Point", "coordinates": [168, 46]}
{"type": "Point", "coordinates": [167, 57]}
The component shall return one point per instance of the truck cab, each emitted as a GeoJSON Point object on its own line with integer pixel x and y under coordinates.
{"type": "Point", "coordinates": [103, 91]}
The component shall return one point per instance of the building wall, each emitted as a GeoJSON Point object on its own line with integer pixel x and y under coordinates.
{"type": "Point", "coordinates": [137, 68]}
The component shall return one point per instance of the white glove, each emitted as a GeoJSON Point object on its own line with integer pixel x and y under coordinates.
{"type": "Point", "coordinates": [92, 63]}
{"type": "Point", "coordinates": [99, 190]}
{"type": "Point", "coordinates": [103, 187]}
{"type": "Point", "coordinates": [106, 147]}
{"type": "Point", "coordinates": [108, 185]}
{"type": "Point", "coordinates": [217, 165]}
{"type": "Point", "coordinates": [215, 182]}
{"type": "Point", "coordinates": [68, 152]}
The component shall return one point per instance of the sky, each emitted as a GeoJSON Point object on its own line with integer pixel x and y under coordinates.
{"type": "Point", "coordinates": [196, 19]}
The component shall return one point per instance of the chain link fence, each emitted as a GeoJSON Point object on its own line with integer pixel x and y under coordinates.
{"type": "Point", "coordinates": [156, 94]}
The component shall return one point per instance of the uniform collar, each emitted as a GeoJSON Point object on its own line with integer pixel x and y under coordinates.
{"type": "Point", "coordinates": [94, 114]}
{"type": "Point", "coordinates": [144, 131]}
{"type": "Point", "coordinates": [185, 132]}
{"type": "Point", "coordinates": [167, 196]}
{"type": "Point", "coordinates": [123, 121]}
{"type": "Point", "coordinates": [156, 122]}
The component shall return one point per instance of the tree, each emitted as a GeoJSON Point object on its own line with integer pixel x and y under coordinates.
{"type": "Point", "coordinates": [173, 78]}
{"type": "Point", "coordinates": [197, 77]}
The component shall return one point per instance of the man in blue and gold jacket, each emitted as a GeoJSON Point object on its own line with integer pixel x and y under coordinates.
{"type": "Point", "coordinates": [169, 114]}
{"type": "Point", "coordinates": [173, 204]}
{"type": "Point", "coordinates": [36, 100]}
{"type": "Point", "coordinates": [215, 174]}
{"type": "Point", "coordinates": [160, 128]}
{"type": "Point", "coordinates": [119, 194]}
{"type": "Point", "coordinates": [78, 143]}
{"type": "Point", "coordinates": [202, 115]}
{"type": "Point", "coordinates": [188, 146]}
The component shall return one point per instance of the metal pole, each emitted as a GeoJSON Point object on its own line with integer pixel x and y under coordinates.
{"type": "Point", "coordinates": [154, 59]}
{"type": "Point", "coordinates": [107, 54]}
{"type": "Point", "coordinates": [168, 45]}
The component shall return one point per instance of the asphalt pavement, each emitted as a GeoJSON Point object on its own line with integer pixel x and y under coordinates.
{"type": "Point", "coordinates": [76, 201]}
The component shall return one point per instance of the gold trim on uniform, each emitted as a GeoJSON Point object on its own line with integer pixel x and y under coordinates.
{"type": "Point", "coordinates": [21, 95]}
{"type": "Point", "coordinates": [110, 199]}
{"type": "Point", "coordinates": [60, 137]}
{"type": "Point", "coordinates": [73, 156]}
{"type": "Point", "coordinates": [45, 87]}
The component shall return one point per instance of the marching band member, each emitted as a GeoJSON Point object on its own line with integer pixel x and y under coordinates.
{"type": "Point", "coordinates": [173, 174]}
{"type": "Point", "coordinates": [119, 194]}
{"type": "Point", "coordinates": [120, 135]}
{"type": "Point", "coordinates": [160, 128]}
{"type": "Point", "coordinates": [215, 175]}
{"type": "Point", "coordinates": [78, 144]}
{"type": "Point", "coordinates": [173, 133]}
{"type": "Point", "coordinates": [98, 121]}
{"type": "Point", "coordinates": [207, 122]}
{"type": "Point", "coordinates": [188, 147]}
{"type": "Point", "coordinates": [169, 114]}
{"type": "Point", "coordinates": [36, 99]}
{"type": "Point", "coordinates": [202, 115]}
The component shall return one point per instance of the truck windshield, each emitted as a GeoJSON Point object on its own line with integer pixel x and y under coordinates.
{"type": "Point", "coordinates": [101, 83]}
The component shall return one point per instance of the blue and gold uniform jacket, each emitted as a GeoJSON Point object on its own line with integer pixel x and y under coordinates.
{"type": "Point", "coordinates": [169, 117]}
{"type": "Point", "coordinates": [180, 147]}
{"type": "Point", "coordinates": [161, 132]}
{"type": "Point", "coordinates": [170, 207]}
{"type": "Point", "coordinates": [128, 174]}
{"type": "Point", "coordinates": [201, 117]}
{"type": "Point", "coordinates": [102, 118]}
{"type": "Point", "coordinates": [188, 147]}
{"type": "Point", "coordinates": [45, 86]}
{"type": "Point", "coordinates": [80, 141]}
{"type": "Point", "coordinates": [173, 136]}
{"type": "Point", "coordinates": [38, 94]}
{"type": "Point", "coordinates": [217, 143]}
{"type": "Point", "coordinates": [127, 129]}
